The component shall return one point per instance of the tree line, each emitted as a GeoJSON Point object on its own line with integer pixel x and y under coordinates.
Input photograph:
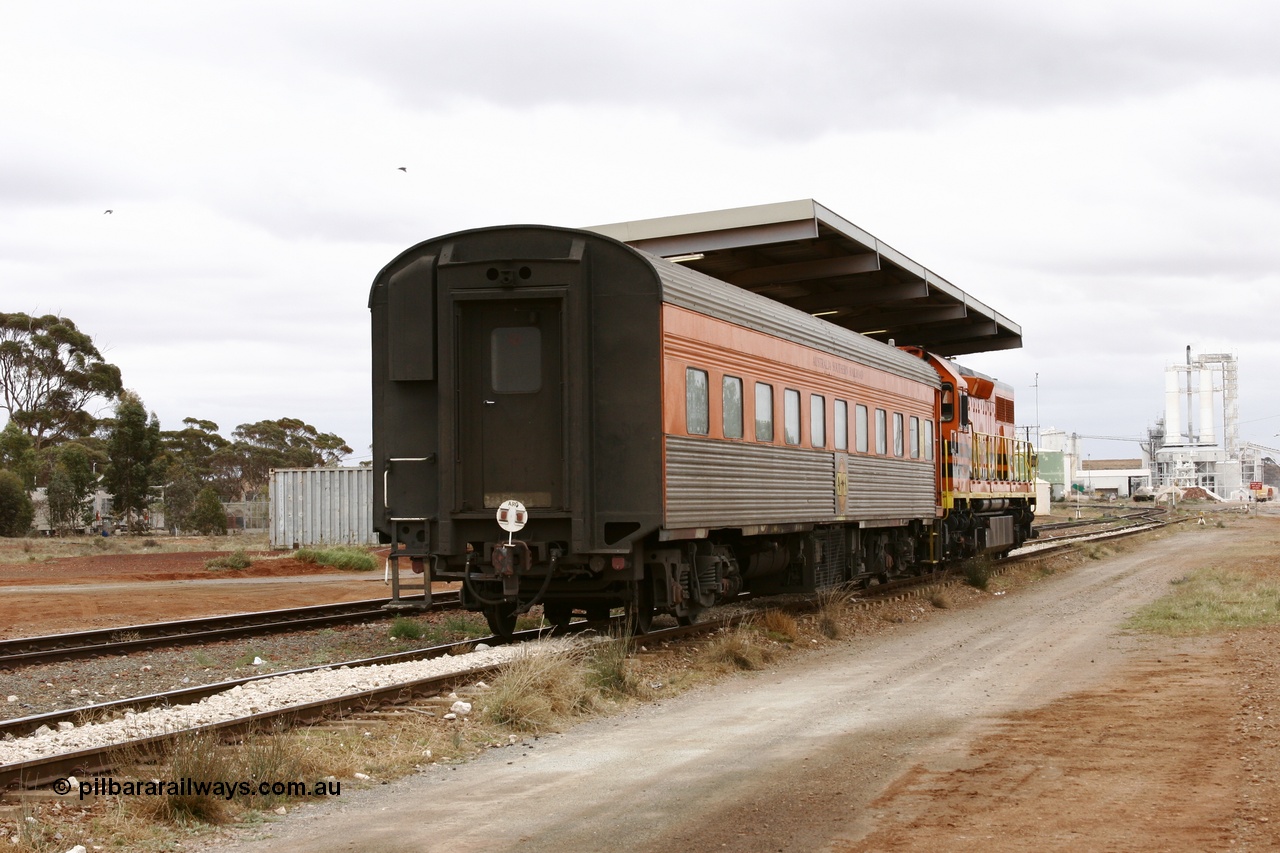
{"type": "Point", "coordinates": [52, 375]}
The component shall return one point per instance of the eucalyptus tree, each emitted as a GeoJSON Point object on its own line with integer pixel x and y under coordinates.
{"type": "Point", "coordinates": [50, 372]}
{"type": "Point", "coordinates": [133, 451]}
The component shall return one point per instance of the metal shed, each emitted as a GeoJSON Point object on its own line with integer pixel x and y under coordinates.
{"type": "Point", "coordinates": [321, 506]}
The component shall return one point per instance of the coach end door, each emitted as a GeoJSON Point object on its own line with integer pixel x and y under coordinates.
{"type": "Point", "coordinates": [510, 403]}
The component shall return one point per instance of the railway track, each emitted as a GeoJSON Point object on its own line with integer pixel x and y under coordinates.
{"type": "Point", "coordinates": [1145, 514]}
{"type": "Point", "coordinates": [41, 771]}
{"type": "Point", "coordinates": [25, 651]}
{"type": "Point", "coordinates": [1138, 522]}
{"type": "Point", "coordinates": [122, 640]}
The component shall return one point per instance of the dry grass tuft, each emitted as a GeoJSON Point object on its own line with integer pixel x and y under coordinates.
{"type": "Point", "coordinates": [941, 600]}
{"type": "Point", "coordinates": [833, 608]}
{"type": "Point", "coordinates": [280, 756]}
{"type": "Point", "coordinates": [735, 649]}
{"type": "Point", "coordinates": [609, 669]}
{"type": "Point", "coordinates": [192, 756]}
{"type": "Point", "coordinates": [537, 690]}
{"type": "Point", "coordinates": [779, 625]}
{"type": "Point", "coordinates": [1097, 552]}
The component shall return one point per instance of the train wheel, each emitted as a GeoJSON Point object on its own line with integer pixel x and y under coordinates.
{"type": "Point", "coordinates": [558, 614]}
{"type": "Point", "coordinates": [689, 617]}
{"type": "Point", "coordinates": [501, 619]}
{"type": "Point", "coordinates": [640, 608]}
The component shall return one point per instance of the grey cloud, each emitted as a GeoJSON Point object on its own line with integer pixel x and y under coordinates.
{"type": "Point", "coordinates": [793, 69]}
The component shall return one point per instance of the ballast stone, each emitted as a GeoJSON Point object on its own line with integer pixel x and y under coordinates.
{"type": "Point", "coordinates": [268, 693]}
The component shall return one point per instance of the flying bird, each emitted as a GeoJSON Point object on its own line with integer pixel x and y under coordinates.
{"type": "Point", "coordinates": [404, 168]}
{"type": "Point", "coordinates": [108, 211]}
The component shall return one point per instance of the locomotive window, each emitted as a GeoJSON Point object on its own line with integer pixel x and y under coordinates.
{"type": "Point", "coordinates": [928, 440]}
{"type": "Point", "coordinates": [841, 438]}
{"type": "Point", "coordinates": [791, 416]}
{"type": "Point", "coordinates": [817, 420]}
{"type": "Point", "coordinates": [764, 412]}
{"type": "Point", "coordinates": [860, 427]}
{"type": "Point", "coordinates": [882, 433]}
{"type": "Point", "coordinates": [515, 357]}
{"type": "Point", "coordinates": [897, 434]}
{"type": "Point", "coordinates": [731, 397]}
{"type": "Point", "coordinates": [946, 402]}
{"type": "Point", "coordinates": [697, 418]}
{"type": "Point", "coordinates": [913, 438]}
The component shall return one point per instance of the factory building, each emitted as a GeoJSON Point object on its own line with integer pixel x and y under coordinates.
{"type": "Point", "coordinates": [1194, 445]}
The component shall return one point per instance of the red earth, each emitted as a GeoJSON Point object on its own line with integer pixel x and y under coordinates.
{"type": "Point", "coordinates": [109, 590]}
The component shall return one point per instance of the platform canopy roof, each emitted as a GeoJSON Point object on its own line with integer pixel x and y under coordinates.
{"type": "Point", "coordinates": [802, 254]}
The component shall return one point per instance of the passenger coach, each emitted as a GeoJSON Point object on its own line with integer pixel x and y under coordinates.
{"type": "Point", "coordinates": [675, 439]}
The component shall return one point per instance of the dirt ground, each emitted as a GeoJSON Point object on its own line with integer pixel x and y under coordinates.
{"type": "Point", "coordinates": [1032, 722]}
{"type": "Point", "coordinates": [1175, 751]}
{"type": "Point", "coordinates": [107, 590]}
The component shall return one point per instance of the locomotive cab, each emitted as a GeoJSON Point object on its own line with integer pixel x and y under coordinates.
{"type": "Point", "coordinates": [986, 475]}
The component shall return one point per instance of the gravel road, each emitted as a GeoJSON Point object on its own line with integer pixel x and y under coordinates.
{"type": "Point", "coordinates": [781, 760]}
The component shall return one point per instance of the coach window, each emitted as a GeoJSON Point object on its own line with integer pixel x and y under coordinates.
{"type": "Point", "coordinates": [928, 440]}
{"type": "Point", "coordinates": [913, 438]}
{"type": "Point", "coordinates": [791, 416]}
{"type": "Point", "coordinates": [731, 398]}
{"type": "Point", "coordinates": [897, 434]}
{"type": "Point", "coordinates": [882, 433]}
{"type": "Point", "coordinates": [515, 360]}
{"type": "Point", "coordinates": [860, 427]}
{"type": "Point", "coordinates": [764, 412]}
{"type": "Point", "coordinates": [817, 420]}
{"type": "Point", "coordinates": [697, 419]}
{"type": "Point", "coordinates": [841, 438]}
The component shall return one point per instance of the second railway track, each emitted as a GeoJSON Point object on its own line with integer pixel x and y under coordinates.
{"type": "Point", "coordinates": [25, 651]}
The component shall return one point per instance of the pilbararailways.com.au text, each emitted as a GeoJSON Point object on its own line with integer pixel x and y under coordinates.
{"type": "Point", "coordinates": [100, 786]}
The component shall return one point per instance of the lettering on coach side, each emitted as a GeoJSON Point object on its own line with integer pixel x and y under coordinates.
{"type": "Point", "coordinates": [836, 367]}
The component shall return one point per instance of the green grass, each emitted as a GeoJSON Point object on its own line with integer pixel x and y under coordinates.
{"type": "Point", "coordinates": [977, 572]}
{"type": "Point", "coordinates": [235, 560]}
{"type": "Point", "coordinates": [404, 628]}
{"type": "Point", "coordinates": [340, 557]}
{"type": "Point", "coordinates": [1210, 600]}
{"type": "Point", "coordinates": [463, 626]}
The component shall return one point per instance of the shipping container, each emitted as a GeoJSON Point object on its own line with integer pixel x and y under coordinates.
{"type": "Point", "coordinates": [321, 506]}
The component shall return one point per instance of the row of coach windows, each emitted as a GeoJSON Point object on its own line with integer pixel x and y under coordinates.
{"type": "Point", "coordinates": [911, 436]}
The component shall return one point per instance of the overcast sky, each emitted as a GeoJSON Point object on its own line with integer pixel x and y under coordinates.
{"type": "Point", "coordinates": [1105, 174]}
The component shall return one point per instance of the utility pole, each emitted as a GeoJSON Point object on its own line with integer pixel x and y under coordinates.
{"type": "Point", "coordinates": [1037, 387]}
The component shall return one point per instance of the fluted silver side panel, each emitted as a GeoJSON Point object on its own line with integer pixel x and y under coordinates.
{"type": "Point", "coordinates": [732, 484]}
{"type": "Point", "coordinates": [889, 489]}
